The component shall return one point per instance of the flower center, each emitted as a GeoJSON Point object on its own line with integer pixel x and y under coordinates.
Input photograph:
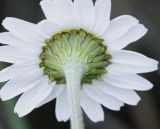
{"type": "Point", "coordinates": [74, 45]}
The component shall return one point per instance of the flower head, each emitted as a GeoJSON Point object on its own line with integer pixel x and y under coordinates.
{"type": "Point", "coordinates": [76, 38]}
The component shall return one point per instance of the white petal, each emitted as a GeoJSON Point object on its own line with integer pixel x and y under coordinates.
{"type": "Point", "coordinates": [103, 11]}
{"type": "Point", "coordinates": [100, 97]}
{"type": "Point", "coordinates": [62, 107]}
{"type": "Point", "coordinates": [56, 91]}
{"type": "Point", "coordinates": [14, 70]}
{"type": "Point", "coordinates": [21, 83]}
{"type": "Point", "coordinates": [31, 52]}
{"type": "Point", "coordinates": [17, 55]}
{"type": "Point", "coordinates": [128, 81]}
{"type": "Point", "coordinates": [47, 28]}
{"type": "Point", "coordinates": [118, 27]}
{"type": "Point", "coordinates": [130, 57]}
{"type": "Point", "coordinates": [128, 96]}
{"type": "Point", "coordinates": [134, 34]}
{"type": "Point", "coordinates": [132, 62]}
{"type": "Point", "coordinates": [58, 11]}
{"type": "Point", "coordinates": [24, 30]}
{"type": "Point", "coordinates": [10, 39]}
{"type": "Point", "coordinates": [11, 54]}
{"type": "Point", "coordinates": [30, 99]}
{"type": "Point", "coordinates": [87, 13]}
{"type": "Point", "coordinates": [9, 73]}
{"type": "Point", "coordinates": [93, 109]}
{"type": "Point", "coordinates": [76, 17]}
{"type": "Point", "coordinates": [114, 67]}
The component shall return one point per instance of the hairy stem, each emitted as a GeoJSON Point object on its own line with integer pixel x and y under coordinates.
{"type": "Point", "coordinates": [74, 72]}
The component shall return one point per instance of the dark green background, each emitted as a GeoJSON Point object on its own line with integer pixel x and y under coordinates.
{"type": "Point", "coordinates": [144, 116]}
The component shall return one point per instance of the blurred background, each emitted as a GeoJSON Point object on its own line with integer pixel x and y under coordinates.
{"type": "Point", "coordinates": [144, 116]}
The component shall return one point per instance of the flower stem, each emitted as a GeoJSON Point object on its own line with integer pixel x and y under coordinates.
{"type": "Point", "coordinates": [74, 72]}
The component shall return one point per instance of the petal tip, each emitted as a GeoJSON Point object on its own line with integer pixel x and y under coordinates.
{"type": "Point", "coordinates": [44, 2]}
{"type": "Point", "coordinates": [156, 63]}
{"type": "Point", "coordinates": [5, 20]}
{"type": "Point", "coordinates": [3, 97]}
{"type": "Point", "coordinates": [119, 108]}
{"type": "Point", "coordinates": [20, 115]}
{"type": "Point", "coordinates": [62, 120]}
{"type": "Point", "coordinates": [98, 119]}
{"type": "Point", "coordinates": [145, 30]}
{"type": "Point", "coordinates": [150, 86]}
{"type": "Point", "coordinates": [135, 103]}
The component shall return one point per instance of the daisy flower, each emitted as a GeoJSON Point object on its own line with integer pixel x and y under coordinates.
{"type": "Point", "coordinates": [74, 56]}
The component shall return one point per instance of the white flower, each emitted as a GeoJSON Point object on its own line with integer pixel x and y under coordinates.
{"type": "Point", "coordinates": [39, 76]}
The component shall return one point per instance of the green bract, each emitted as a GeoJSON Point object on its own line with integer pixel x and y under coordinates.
{"type": "Point", "coordinates": [74, 45]}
